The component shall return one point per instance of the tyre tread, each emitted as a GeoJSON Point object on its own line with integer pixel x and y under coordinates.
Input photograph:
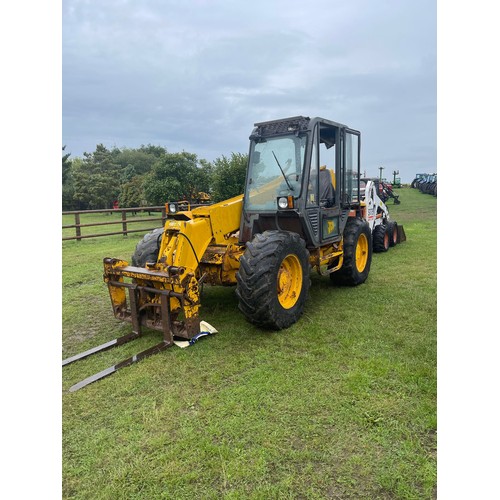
{"type": "Point", "coordinates": [256, 279]}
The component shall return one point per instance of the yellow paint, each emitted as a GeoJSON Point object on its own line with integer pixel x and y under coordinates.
{"type": "Point", "coordinates": [231, 263]}
{"type": "Point", "coordinates": [361, 252]}
{"type": "Point", "coordinates": [289, 281]}
{"type": "Point", "coordinates": [117, 294]}
{"type": "Point", "coordinates": [331, 226]}
{"type": "Point", "coordinates": [184, 245]}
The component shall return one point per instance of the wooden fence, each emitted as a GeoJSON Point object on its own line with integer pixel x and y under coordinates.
{"type": "Point", "coordinates": [124, 221]}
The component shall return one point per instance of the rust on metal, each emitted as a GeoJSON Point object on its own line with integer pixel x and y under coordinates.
{"type": "Point", "coordinates": [155, 299]}
{"type": "Point", "coordinates": [221, 263]}
{"type": "Point", "coordinates": [327, 259]}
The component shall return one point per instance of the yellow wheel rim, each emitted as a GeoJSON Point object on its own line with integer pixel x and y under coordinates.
{"type": "Point", "coordinates": [361, 252]}
{"type": "Point", "coordinates": [289, 282]}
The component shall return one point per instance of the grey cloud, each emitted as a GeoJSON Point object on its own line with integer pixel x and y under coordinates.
{"type": "Point", "coordinates": [197, 75]}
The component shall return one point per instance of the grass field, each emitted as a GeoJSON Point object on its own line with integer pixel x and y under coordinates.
{"type": "Point", "coordinates": [341, 405]}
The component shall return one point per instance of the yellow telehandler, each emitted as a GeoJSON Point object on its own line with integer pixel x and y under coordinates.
{"type": "Point", "coordinates": [302, 208]}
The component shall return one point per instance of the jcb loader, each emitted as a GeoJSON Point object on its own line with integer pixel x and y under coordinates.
{"type": "Point", "coordinates": [302, 209]}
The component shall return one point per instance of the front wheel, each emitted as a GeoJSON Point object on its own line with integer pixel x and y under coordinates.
{"type": "Point", "coordinates": [273, 279]}
{"type": "Point", "coordinates": [147, 249]}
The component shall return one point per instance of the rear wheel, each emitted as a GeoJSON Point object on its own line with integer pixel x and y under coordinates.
{"type": "Point", "coordinates": [380, 238]}
{"type": "Point", "coordinates": [392, 230]}
{"type": "Point", "coordinates": [147, 249]}
{"type": "Point", "coordinates": [273, 279]}
{"type": "Point", "coordinates": [357, 254]}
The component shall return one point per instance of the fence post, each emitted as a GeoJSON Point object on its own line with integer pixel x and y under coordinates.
{"type": "Point", "coordinates": [163, 215]}
{"type": "Point", "coordinates": [77, 224]}
{"type": "Point", "coordinates": [124, 224]}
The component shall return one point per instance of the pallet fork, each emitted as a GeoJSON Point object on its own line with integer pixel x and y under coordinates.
{"type": "Point", "coordinates": [122, 364]}
{"type": "Point", "coordinates": [157, 315]}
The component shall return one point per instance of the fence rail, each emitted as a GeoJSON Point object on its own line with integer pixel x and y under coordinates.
{"type": "Point", "coordinates": [124, 221]}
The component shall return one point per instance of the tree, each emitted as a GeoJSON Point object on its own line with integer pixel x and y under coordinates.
{"type": "Point", "coordinates": [175, 176]}
{"type": "Point", "coordinates": [156, 151]}
{"type": "Point", "coordinates": [228, 176]}
{"type": "Point", "coordinates": [66, 166]}
{"type": "Point", "coordinates": [205, 171]}
{"type": "Point", "coordinates": [132, 193]}
{"type": "Point", "coordinates": [68, 189]}
{"type": "Point", "coordinates": [141, 159]}
{"type": "Point", "coordinates": [96, 179]}
{"type": "Point", "coordinates": [127, 174]}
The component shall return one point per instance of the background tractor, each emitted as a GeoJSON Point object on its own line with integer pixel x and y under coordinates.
{"type": "Point", "coordinates": [303, 208]}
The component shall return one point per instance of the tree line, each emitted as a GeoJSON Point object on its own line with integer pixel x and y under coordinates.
{"type": "Point", "coordinates": [147, 176]}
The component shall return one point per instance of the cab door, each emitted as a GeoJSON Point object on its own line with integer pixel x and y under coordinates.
{"type": "Point", "coordinates": [312, 195]}
{"type": "Point", "coordinates": [330, 161]}
{"type": "Point", "coordinates": [350, 194]}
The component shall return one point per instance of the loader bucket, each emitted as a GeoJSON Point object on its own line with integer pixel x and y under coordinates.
{"type": "Point", "coordinates": [401, 234]}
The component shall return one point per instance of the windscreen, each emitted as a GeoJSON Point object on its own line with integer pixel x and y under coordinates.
{"type": "Point", "coordinates": [275, 170]}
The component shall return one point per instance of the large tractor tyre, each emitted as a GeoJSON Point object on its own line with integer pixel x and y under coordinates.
{"type": "Point", "coordinates": [392, 231]}
{"type": "Point", "coordinates": [273, 279]}
{"type": "Point", "coordinates": [357, 254]}
{"type": "Point", "coordinates": [147, 249]}
{"type": "Point", "coordinates": [380, 238]}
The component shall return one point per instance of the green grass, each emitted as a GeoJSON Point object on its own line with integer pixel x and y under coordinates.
{"type": "Point", "coordinates": [341, 405]}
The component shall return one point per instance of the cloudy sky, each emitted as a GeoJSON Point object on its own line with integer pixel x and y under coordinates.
{"type": "Point", "coordinates": [197, 75]}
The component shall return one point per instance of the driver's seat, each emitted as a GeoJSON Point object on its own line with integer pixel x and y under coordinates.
{"type": "Point", "coordinates": [326, 189]}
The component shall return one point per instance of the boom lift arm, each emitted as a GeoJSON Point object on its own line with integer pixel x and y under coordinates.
{"type": "Point", "coordinates": [197, 246]}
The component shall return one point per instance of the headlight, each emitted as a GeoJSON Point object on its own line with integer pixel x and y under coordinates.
{"type": "Point", "coordinates": [172, 208]}
{"type": "Point", "coordinates": [283, 202]}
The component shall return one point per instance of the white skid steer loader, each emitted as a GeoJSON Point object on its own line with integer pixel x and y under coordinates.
{"type": "Point", "coordinates": [385, 232]}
